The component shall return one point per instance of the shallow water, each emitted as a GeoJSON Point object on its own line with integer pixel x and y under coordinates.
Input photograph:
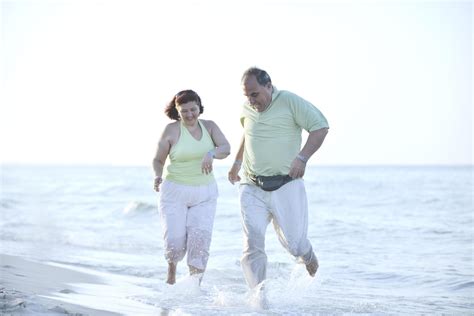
{"type": "Point", "coordinates": [390, 240]}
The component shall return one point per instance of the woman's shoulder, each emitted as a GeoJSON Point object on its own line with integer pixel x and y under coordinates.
{"type": "Point", "coordinates": [171, 128]}
{"type": "Point", "coordinates": [209, 124]}
{"type": "Point", "coordinates": [172, 125]}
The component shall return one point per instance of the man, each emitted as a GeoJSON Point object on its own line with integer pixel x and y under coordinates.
{"type": "Point", "coordinates": [271, 146]}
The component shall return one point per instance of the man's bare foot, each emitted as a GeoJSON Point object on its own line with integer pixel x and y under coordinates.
{"type": "Point", "coordinates": [312, 266]}
{"type": "Point", "coordinates": [196, 271]}
{"type": "Point", "coordinates": [171, 273]}
{"type": "Point", "coordinates": [193, 270]}
{"type": "Point", "coordinates": [258, 298]}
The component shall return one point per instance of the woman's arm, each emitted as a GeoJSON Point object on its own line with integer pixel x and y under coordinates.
{"type": "Point", "coordinates": [162, 152]}
{"type": "Point", "coordinates": [222, 149]}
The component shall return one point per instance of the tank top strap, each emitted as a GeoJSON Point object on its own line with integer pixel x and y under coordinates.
{"type": "Point", "coordinates": [204, 130]}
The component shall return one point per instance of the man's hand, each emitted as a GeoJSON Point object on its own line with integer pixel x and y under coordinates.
{"type": "Point", "coordinates": [156, 184]}
{"type": "Point", "coordinates": [234, 173]}
{"type": "Point", "coordinates": [297, 169]}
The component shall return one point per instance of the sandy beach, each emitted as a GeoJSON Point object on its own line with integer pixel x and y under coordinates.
{"type": "Point", "coordinates": [37, 288]}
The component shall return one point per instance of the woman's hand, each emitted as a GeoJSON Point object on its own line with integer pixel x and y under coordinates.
{"type": "Point", "coordinates": [206, 165]}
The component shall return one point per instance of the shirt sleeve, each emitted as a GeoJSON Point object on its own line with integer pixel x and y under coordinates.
{"type": "Point", "coordinates": [306, 114]}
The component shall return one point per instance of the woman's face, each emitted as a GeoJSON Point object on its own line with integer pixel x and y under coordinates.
{"type": "Point", "coordinates": [188, 112]}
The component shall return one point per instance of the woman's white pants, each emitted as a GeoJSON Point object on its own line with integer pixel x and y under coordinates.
{"type": "Point", "coordinates": [187, 217]}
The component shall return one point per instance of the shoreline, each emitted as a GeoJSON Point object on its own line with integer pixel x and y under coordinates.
{"type": "Point", "coordinates": [30, 287]}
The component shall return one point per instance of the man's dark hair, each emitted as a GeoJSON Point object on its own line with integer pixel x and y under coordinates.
{"type": "Point", "coordinates": [261, 75]}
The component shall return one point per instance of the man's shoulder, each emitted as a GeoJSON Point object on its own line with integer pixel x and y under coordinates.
{"type": "Point", "coordinates": [287, 95]}
{"type": "Point", "coordinates": [288, 98]}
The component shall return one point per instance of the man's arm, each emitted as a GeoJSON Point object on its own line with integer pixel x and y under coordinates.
{"type": "Point", "coordinates": [314, 141]}
{"type": "Point", "coordinates": [234, 170]}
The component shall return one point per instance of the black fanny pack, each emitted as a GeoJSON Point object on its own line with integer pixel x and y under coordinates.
{"type": "Point", "coordinates": [270, 183]}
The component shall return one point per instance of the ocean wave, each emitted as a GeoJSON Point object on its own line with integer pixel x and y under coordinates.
{"type": "Point", "coordinates": [8, 203]}
{"type": "Point", "coordinates": [463, 285]}
{"type": "Point", "coordinates": [137, 208]}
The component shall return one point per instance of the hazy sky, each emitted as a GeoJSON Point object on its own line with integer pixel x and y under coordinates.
{"type": "Point", "coordinates": [87, 81]}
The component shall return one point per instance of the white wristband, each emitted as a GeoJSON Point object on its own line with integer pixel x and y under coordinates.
{"type": "Point", "coordinates": [212, 153]}
{"type": "Point", "coordinates": [302, 158]}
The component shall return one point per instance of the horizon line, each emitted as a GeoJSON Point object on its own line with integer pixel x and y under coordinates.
{"type": "Point", "coordinates": [69, 164]}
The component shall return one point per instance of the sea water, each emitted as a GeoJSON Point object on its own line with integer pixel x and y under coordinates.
{"type": "Point", "coordinates": [390, 240]}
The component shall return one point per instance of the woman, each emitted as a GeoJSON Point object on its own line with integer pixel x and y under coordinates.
{"type": "Point", "coordinates": [188, 191]}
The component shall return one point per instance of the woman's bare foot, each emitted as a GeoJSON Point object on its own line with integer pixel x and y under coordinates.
{"type": "Point", "coordinates": [171, 273]}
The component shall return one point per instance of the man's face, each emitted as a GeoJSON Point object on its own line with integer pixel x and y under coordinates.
{"type": "Point", "coordinates": [258, 96]}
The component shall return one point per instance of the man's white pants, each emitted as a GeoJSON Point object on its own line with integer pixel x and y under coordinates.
{"type": "Point", "coordinates": [187, 217]}
{"type": "Point", "coordinates": [287, 207]}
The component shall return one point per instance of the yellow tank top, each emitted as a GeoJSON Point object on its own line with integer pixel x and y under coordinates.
{"type": "Point", "coordinates": [185, 158]}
